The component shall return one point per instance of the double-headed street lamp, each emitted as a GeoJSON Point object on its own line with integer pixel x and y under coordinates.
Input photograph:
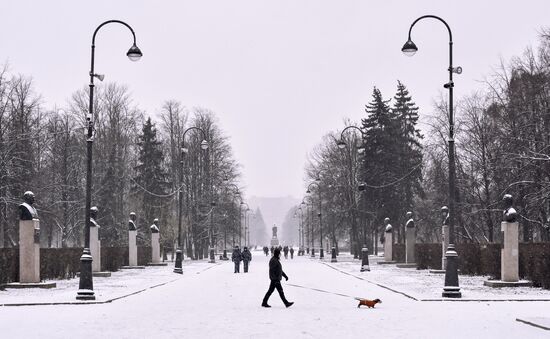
{"type": "Point", "coordinates": [240, 221]}
{"type": "Point", "coordinates": [204, 146]}
{"type": "Point", "coordinates": [86, 285]}
{"type": "Point", "coordinates": [320, 214]}
{"type": "Point", "coordinates": [451, 289]}
{"type": "Point", "coordinates": [360, 149]}
{"type": "Point", "coordinates": [237, 194]}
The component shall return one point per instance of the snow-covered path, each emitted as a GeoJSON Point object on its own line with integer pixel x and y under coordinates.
{"type": "Point", "coordinates": [216, 303]}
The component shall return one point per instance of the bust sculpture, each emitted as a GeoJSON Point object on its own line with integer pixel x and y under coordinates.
{"type": "Point", "coordinates": [274, 231]}
{"type": "Point", "coordinates": [410, 221]}
{"type": "Point", "coordinates": [509, 213]}
{"type": "Point", "coordinates": [132, 222]}
{"type": "Point", "coordinates": [445, 215]}
{"type": "Point", "coordinates": [93, 217]}
{"type": "Point", "coordinates": [28, 212]}
{"type": "Point", "coordinates": [154, 226]}
{"type": "Point", "coordinates": [389, 227]}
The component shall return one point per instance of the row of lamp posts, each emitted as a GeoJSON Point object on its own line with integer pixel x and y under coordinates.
{"type": "Point", "coordinates": [451, 288]}
{"type": "Point", "coordinates": [86, 291]}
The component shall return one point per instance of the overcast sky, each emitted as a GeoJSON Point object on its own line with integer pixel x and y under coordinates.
{"type": "Point", "coordinates": [279, 74]}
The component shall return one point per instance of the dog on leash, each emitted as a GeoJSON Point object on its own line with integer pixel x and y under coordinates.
{"type": "Point", "coordinates": [368, 303]}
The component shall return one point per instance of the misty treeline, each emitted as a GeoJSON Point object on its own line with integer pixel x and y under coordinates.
{"type": "Point", "coordinates": [502, 146]}
{"type": "Point", "coordinates": [136, 166]}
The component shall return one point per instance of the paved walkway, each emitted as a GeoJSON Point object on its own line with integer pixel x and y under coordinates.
{"type": "Point", "coordinates": [216, 303]}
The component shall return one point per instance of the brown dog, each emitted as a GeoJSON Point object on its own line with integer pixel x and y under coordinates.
{"type": "Point", "coordinates": [368, 303]}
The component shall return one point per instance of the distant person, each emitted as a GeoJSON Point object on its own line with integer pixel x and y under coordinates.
{"type": "Point", "coordinates": [236, 257]}
{"type": "Point", "coordinates": [247, 257]}
{"type": "Point", "coordinates": [266, 250]}
{"type": "Point", "coordinates": [285, 251]}
{"type": "Point", "coordinates": [271, 249]}
{"type": "Point", "coordinates": [276, 273]}
{"type": "Point", "coordinates": [291, 252]}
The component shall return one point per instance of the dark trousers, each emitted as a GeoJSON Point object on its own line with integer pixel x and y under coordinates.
{"type": "Point", "coordinates": [272, 286]}
{"type": "Point", "coordinates": [237, 266]}
{"type": "Point", "coordinates": [245, 264]}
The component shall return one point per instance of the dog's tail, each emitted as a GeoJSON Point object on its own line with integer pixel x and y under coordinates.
{"type": "Point", "coordinates": [358, 298]}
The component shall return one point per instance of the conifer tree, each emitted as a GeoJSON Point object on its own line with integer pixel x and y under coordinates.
{"type": "Point", "coordinates": [380, 161]}
{"type": "Point", "coordinates": [409, 166]}
{"type": "Point", "coordinates": [150, 174]}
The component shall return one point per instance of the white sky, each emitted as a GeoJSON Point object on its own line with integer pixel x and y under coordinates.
{"type": "Point", "coordinates": [279, 74]}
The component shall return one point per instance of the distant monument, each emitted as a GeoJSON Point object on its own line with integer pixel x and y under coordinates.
{"type": "Point", "coordinates": [274, 240]}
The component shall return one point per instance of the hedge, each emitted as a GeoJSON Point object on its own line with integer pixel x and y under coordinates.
{"type": "Point", "coordinates": [64, 263]}
{"type": "Point", "coordinates": [484, 259]}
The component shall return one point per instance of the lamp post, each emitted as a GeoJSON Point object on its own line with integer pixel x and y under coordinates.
{"type": "Point", "coordinates": [86, 286]}
{"type": "Point", "coordinates": [320, 215]}
{"type": "Point", "coordinates": [361, 149]}
{"type": "Point", "coordinates": [240, 221]}
{"type": "Point", "coordinates": [238, 196]}
{"type": "Point", "coordinates": [451, 289]}
{"type": "Point", "coordinates": [204, 146]}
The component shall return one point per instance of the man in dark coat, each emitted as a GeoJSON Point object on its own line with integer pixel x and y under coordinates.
{"type": "Point", "coordinates": [285, 251]}
{"type": "Point", "coordinates": [247, 257]}
{"type": "Point", "coordinates": [266, 250]}
{"type": "Point", "coordinates": [291, 252]}
{"type": "Point", "coordinates": [236, 257]}
{"type": "Point", "coordinates": [275, 275]}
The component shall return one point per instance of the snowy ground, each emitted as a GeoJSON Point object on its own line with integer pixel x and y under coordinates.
{"type": "Point", "coordinates": [423, 285]}
{"type": "Point", "coordinates": [220, 304]}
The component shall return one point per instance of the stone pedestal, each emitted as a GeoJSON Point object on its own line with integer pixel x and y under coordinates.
{"type": "Point", "coordinates": [212, 256]}
{"type": "Point", "coordinates": [132, 248]}
{"type": "Point", "coordinates": [365, 259]}
{"type": "Point", "coordinates": [410, 241]}
{"type": "Point", "coordinates": [509, 254]}
{"type": "Point", "coordinates": [445, 245]}
{"type": "Point", "coordinates": [388, 247]}
{"type": "Point", "coordinates": [509, 259]}
{"type": "Point", "coordinates": [95, 249]}
{"type": "Point", "coordinates": [155, 248]}
{"type": "Point", "coordinates": [29, 251]}
{"type": "Point", "coordinates": [333, 255]}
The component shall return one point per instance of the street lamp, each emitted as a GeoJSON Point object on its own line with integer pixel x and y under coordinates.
{"type": "Point", "coordinates": [240, 221]}
{"type": "Point", "coordinates": [451, 289]}
{"type": "Point", "coordinates": [342, 143]}
{"type": "Point", "coordinates": [317, 182]}
{"type": "Point", "coordinates": [204, 146]}
{"type": "Point", "coordinates": [361, 149]}
{"type": "Point", "coordinates": [86, 285]}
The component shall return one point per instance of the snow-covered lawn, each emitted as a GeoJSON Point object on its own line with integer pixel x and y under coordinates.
{"type": "Point", "coordinates": [423, 285]}
{"type": "Point", "coordinates": [121, 283]}
{"type": "Point", "coordinates": [220, 304]}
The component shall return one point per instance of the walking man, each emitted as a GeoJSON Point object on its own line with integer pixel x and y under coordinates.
{"type": "Point", "coordinates": [236, 257]}
{"type": "Point", "coordinates": [275, 275]}
{"type": "Point", "coordinates": [291, 252]}
{"type": "Point", "coordinates": [247, 257]}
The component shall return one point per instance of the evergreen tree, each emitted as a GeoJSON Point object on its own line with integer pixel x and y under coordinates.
{"type": "Point", "coordinates": [151, 176]}
{"type": "Point", "coordinates": [409, 166]}
{"type": "Point", "coordinates": [381, 160]}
